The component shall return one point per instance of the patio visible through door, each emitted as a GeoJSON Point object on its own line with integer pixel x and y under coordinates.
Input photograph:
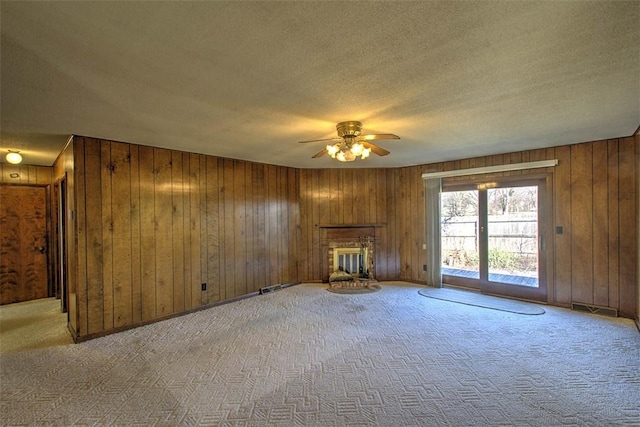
{"type": "Point", "coordinates": [492, 237]}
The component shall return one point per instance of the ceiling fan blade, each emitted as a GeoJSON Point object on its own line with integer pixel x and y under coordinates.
{"type": "Point", "coordinates": [319, 154]}
{"type": "Point", "coordinates": [320, 140]}
{"type": "Point", "coordinates": [374, 148]}
{"type": "Point", "coordinates": [373, 137]}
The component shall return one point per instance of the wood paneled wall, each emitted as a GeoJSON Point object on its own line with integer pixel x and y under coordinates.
{"type": "Point", "coordinates": [153, 225]}
{"type": "Point", "coordinates": [25, 174]}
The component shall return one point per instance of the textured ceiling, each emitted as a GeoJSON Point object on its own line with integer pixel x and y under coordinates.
{"type": "Point", "coordinates": [247, 80]}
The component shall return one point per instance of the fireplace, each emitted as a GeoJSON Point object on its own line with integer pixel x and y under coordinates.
{"type": "Point", "coordinates": [355, 258]}
{"type": "Point", "coordinates": [350, 248]}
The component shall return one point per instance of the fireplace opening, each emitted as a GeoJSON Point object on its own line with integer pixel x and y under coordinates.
{"type": "Point", "coordinates": [349, 260]}
{"type": "Point", "coordinates": [352, 257]}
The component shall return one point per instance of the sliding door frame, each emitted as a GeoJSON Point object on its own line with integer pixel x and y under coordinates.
{"type": "Point", "coordinates": [544, 181]}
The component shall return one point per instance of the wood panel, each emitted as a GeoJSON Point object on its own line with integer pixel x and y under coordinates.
{"type": "Point", "coordinates": [195, 232]}
{"type": "Point", "coordinates": [248, 235]}
{"type": "Point", "coordinates": [628, 222]}
{"type": "Point", "coordinates": [238, 286]}
{"type": "Point", "coordinates": [136, 236]}
{"type": "Point", "coordinates": [384, 261]}
{"type": "Point", "coordinates": [105, 168]}
{"type": "Point", "coordinates": [71, 168]}
{"type": "Point", "coordinates": [563, 226]}
{"type": "Point", "coordinates": [260, 243]}
{"type": "Point", "coordinates": [600, 225]}
{"type": "Point", "coordinates": [163, 231]}
{"type": "Point", "coordinates": [272, 223]}
{"type": "Point", "coordinates": [293, 214]}
{"type": "Point", "coordinates": [93, 281]}
{"type": "Point", "coordinates": [582, 223]}
{"type": "Point", "coordinates": [147, 233]}
{"type": "Point", "coordinates": [212, 231]}
{"type": "Point", "coordinates": [613, 226]}
{"type": "Point", "coordinates": [178, 230]}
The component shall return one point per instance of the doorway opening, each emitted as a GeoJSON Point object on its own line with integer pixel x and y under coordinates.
{"type": "Point", "coordinates": [61, 261]}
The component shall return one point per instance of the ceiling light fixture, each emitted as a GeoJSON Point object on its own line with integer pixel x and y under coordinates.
{"type": "Point", "coordinates": [351, 144]}
{"type": "Point", "coordinates": [14, 157]}
{"type": "Point", "coordinates": [348, 150]}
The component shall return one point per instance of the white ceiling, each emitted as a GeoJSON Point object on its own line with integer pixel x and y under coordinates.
{"type": "Point", "coordinates": [247, 80]}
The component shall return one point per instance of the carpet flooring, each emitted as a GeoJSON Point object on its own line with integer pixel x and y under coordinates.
{"type": "Point", "coordinates": [306, 357]}
{"type": "Point", "coordinates": [32, 324]}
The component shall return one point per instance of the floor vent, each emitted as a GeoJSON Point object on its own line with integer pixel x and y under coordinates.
{"type": "Point", "coordinates": [271, 288]}
{"type": "Point", "coordinates": [605, 311]}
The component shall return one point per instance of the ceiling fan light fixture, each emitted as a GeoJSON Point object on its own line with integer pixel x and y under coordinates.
{"type": "Point", "coordinates": [357, 149]}
{"type": "Point", "coordinates": [351, 143]}
{"type": "Point", "coordinates": [14, 157]}
{"type": "Point", "coordinates": [332, 150]}
{"type": "Point", "coordinates": [345, 152]}
{"type": "Point", "coordinates": [349, 156]}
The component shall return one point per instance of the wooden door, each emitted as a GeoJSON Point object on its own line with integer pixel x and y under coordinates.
{"type": "Point", "coordinates": [23, 243]}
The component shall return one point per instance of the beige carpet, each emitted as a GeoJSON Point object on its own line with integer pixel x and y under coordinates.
{"type": "Point", "coordinates": [32, 324]}
{"type": "Point", "coordinates": [306, 357]}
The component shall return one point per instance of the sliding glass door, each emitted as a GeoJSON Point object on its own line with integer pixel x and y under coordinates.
{"type": "Point", "coordinates": [492, 237]}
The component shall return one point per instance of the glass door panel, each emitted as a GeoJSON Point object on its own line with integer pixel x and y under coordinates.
{"type": "Point", "coordinates": [460, 234]}
{"type": "Point", "coordinates": [512, 235]}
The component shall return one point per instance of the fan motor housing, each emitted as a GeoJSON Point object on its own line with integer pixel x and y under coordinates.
{"type": "Point", "coordinates": [352, 128]}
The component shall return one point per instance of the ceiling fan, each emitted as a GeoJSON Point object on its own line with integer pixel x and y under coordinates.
{"type": "Point", "coordinates": [350, 144]}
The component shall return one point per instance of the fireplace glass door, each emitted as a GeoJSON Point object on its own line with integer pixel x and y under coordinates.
{"type": "Point", "coordinates": [349, 260]}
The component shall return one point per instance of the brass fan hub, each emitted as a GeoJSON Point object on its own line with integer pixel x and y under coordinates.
{"type": "Point", "coordinates": [350, 128]}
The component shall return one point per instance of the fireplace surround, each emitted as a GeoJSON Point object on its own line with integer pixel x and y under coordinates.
{"type": "Point", "coordinates": [348, 239]}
